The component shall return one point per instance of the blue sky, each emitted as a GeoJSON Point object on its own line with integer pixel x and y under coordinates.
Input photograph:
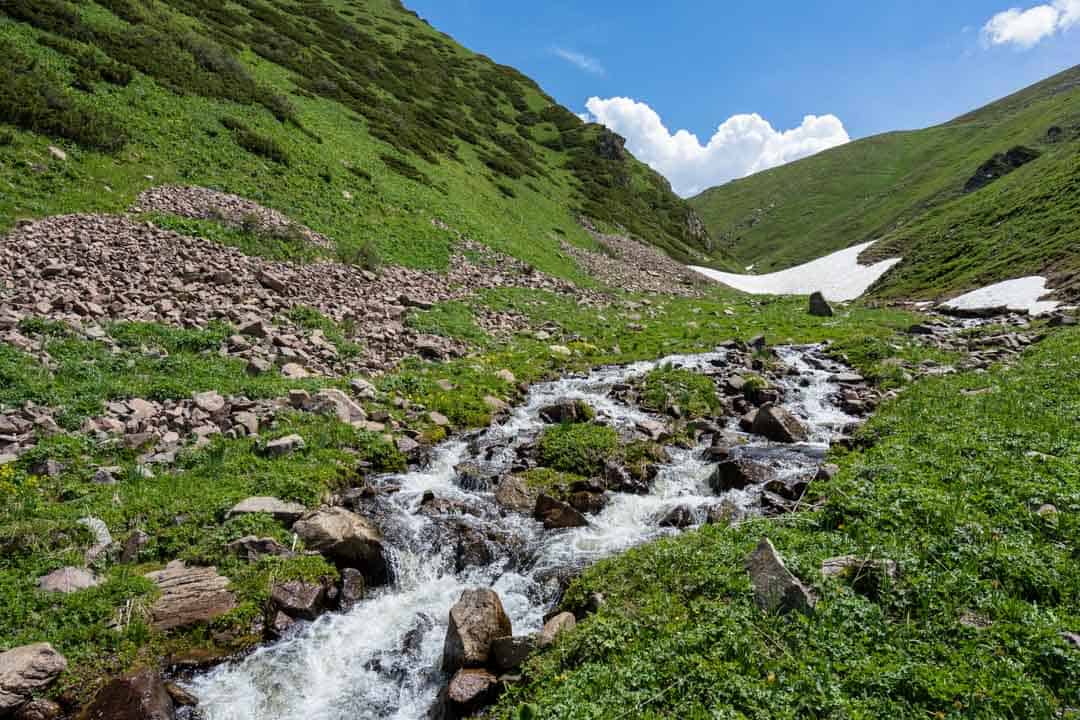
{"type": "Point", "coordinates": [874, 65]}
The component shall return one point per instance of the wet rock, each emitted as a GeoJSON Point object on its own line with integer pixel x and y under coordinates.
{"type": "Point", "coordinates": [68, 580]}
{"type": "Point", "coordinates": [476, 620]}
{"type": "Point", "coordinates": [299, 599]}
{"type": "Point", "coordinates": [40, 709]}
{"type": "Point", "coordinates": [738, 474]}
{"type": "Point", "coordinates": [757, 342]}
{"type": "Point", "coordinates": [724, 513]}
{"type": "Point", "coordinates": [141, 696]}
{"type": "Point", "coordinates": [678, 517]}
{"type": "Point", "coordinates": [279, 624]}
{"type": "Point", "coordinates": [252, 548]}
{"type": "Point", "coordinates": [286, 513]}
{"type": "Point", "coordinates": [408, 447]}
{"type": "Point", "coordinates": [618, 479]}
{"type": "Point", "coordinates": [819, 306]}
{"type": "Point", "coordinates": [514, 494]}
{"type": "Point", "coordinates": [778, 425]}
{"type": "Point", "coordinates": [352, 588]}
{"type": "Point", "coordinates": [653, 429]}
{"type": "Point", "coordinates": [189, 596]}
{"type": "Point", "coordinates": [554, 627]}
{"type": "Point", "coordinates": [866, 577]}
{"type": "Point", "coordinates": [789, 488]}
{"type": "Point", "coordinates": [472, 548]}
{"type": "Point", "coordinates": [26, 670]}
{"type": "Point", "coordinates": [471, 476]}
{"type": "Point", "coordinates": [346, 538]}
{"type": "Point", "coordinates": [775, 588]}
{"type": "Point", "coordinates": [180, 696]}
{"type": "Point", "coordinates": [556, 514]}
{"type": "Point", "coordinates": [509, 653]}
{"type": "Point", "coordinates": [284, 446]}
{"type": "Point", "coordinates": [587, 501]}
{"type": "Point", "coordinates": [567, 411]}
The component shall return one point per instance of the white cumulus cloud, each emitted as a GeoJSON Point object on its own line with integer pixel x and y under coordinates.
{"type": "Point", "coordinates": [1027, 28]}
{"type": "Point", "coordinates": [582, 61]}
{"type": "Point", "coordinates": [742, 145]}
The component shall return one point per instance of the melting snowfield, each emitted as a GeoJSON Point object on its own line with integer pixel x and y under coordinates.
{"type": "Point", "coordinates": [1020, 294]}
{"type": "Point", "coordinates": [838, 276]}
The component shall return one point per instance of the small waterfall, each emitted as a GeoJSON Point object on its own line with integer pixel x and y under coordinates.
{"type": "Point", "coordinates": [380, 660]}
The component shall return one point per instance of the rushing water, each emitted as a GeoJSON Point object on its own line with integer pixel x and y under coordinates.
{"type": "Point", "coordinates": [380, 660]}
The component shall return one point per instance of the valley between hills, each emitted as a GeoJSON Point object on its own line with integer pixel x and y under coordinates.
{"type": "Point", "coordinates": [345, 374]}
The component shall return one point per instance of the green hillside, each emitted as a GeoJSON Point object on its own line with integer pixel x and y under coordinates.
{"type": "Point", "coordinates": [355, 118]}
{"type": "Point", "coordinates": [911, 191]}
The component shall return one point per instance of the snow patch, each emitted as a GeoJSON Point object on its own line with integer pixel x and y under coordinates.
{"type": "Point", "coordinates": [838, 276]}
{"type": "Point", "coordinates": [1020, 294]}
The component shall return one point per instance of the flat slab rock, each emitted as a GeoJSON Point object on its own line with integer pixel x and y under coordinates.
{"type": "Point", "coordinates": [284, 512]}
{"type": "Point", "coordinates": [189, 596]}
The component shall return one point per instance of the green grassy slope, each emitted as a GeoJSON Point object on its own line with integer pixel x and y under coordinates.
{"type": "Point", "coordinates": [355, 118]}
{"type": "Point", "coordinates": [908, 188]}
{"type": "Point", "coordinates": [955, 488]}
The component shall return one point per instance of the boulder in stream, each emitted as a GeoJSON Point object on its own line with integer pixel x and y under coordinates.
{"type": "Point", "coordinates": [778, 425]}
{"type": "Point", "coordinates": [476, 620]}
{"type": "Point", "coordinates": [557, 515]}
{"type": "Point", "coordinates": [737, 474]}
{"type": "Point", "coordinates": [346, 538]}
{"type": "Point", "coordinates": [567, 411]}
{"type": "Point", "coordinates": [514, 493]}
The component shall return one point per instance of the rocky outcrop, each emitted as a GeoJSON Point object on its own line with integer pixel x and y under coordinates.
{"type": "Point", "coordinates": [25, 671]}
{"type": "Point", "coordinates": [476, 621]}
{"type": "Point", "coordinates": [347, 539]}
{"type": "Point", "coordinates": [509, 653]}
{"type": "Point", "coordinates": [514, 494]}
{"type": "Point", "coordinates": [778, 425]}
{"type": "Point", "coordinates": [567, 411]}
{"type": "Point", "coordinates": [140, 696]}
{"type": "Point", "coordinates": [189, 596]}
{"type": "Point", "coordinates": [775, 588]}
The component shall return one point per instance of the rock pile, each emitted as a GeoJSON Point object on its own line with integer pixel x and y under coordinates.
{"type": "Point", "coordinates": [633, 266]}
{"type": "Point", "coordinates": [205, 204]}
{"type": "Point", "coordinates": [90, 269]}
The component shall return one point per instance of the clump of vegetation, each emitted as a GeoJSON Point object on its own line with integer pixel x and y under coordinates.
{"type": "Point", "coordinates": [581, 448]}
{"type": "Point", "coordinates": [551, 482]}
{"type": "Point", "coordinates": [669, 387]}
{"type": "Point", "coordinates": [286, 243]}
{"type": "Point", "coordinates": [452, 319]}
{"type": "Point", "coordinates": [256, 143]}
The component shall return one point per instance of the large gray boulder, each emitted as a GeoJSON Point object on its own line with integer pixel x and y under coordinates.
{"type": "Point", "coordinates": [775, 588]}
{"type": "Point", "coordinates": [26, 670]}
{"type": "Point", "coordinates": [778, 425]}
{"type": "Point", "coordinates": [514, 494]}
{"type": "Point", "coordinates": [347, 539]}
{"type": "Point", "coordinates": [140, 696]}
{"type": "Point", "coordinates": [476, 620]}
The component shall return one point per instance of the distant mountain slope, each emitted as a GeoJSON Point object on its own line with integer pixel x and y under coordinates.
{"type": "Point", "coordinates": [356, 118]}
{"type": "Point", "coordinates": [935, 196]}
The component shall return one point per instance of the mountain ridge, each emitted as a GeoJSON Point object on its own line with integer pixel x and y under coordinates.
{"type": "Point", "coordinates": [906, 190]}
